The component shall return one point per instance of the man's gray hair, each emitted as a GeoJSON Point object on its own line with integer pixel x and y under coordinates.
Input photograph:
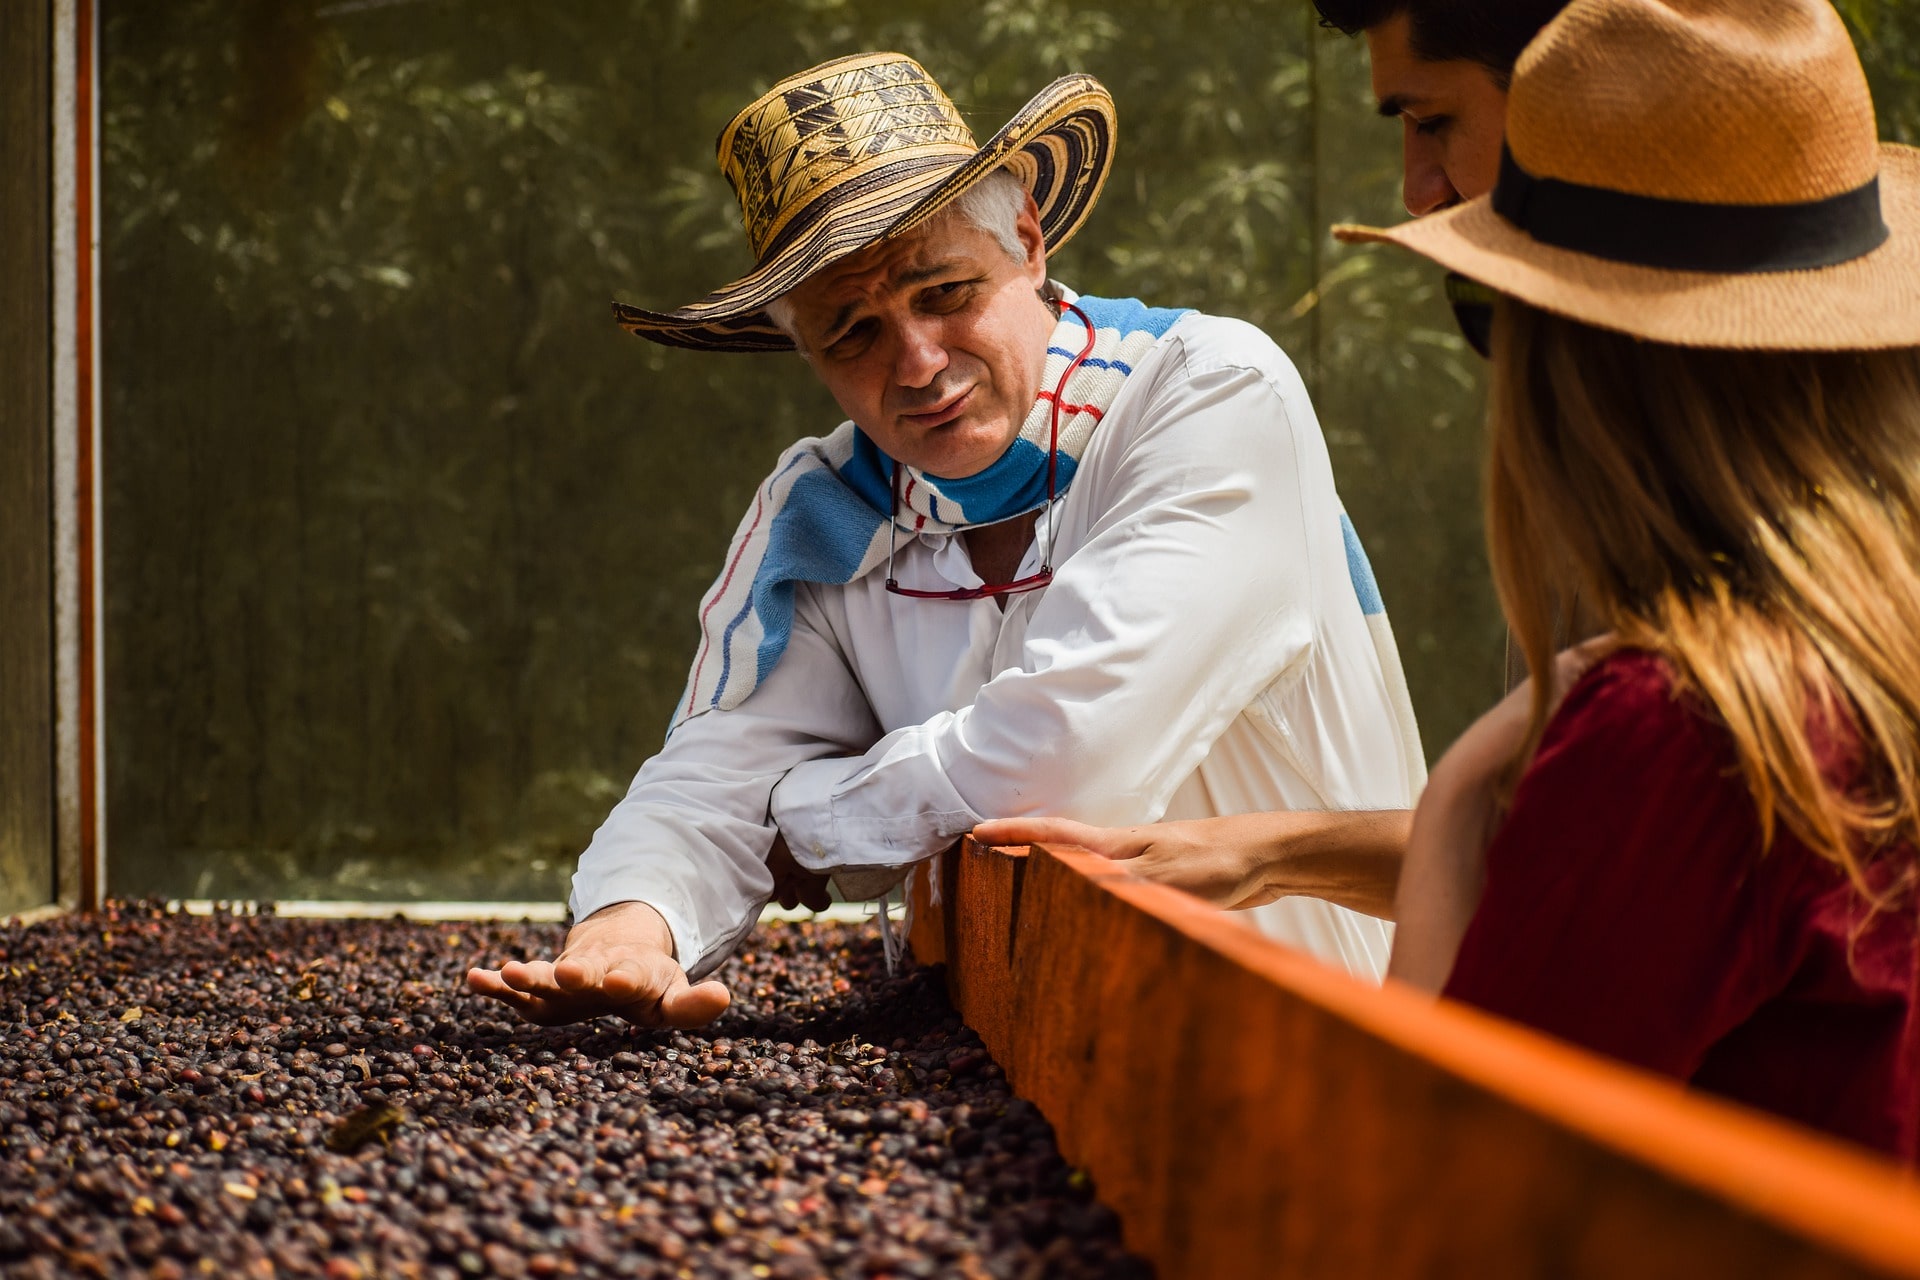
{"type": "Point", "coordinates": [991, 205]}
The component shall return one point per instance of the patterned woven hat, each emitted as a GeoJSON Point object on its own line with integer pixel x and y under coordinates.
{"type": "Point", "coordinates": [1704, 173]}
{"type": "Point", "coordinates": [855, 150]}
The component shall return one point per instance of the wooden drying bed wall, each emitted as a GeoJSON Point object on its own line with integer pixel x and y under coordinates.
{"type": "Point", "coordinates": [1249, 1112]}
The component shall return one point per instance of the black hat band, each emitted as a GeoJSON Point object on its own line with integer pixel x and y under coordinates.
{"type": "Point", "coordinates": [1684, 235]}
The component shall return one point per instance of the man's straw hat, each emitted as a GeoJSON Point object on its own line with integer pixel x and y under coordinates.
{"type": "Point", "coordinates": [837, 158]}
{"type": "Point", "coordinates": [1698, 172]}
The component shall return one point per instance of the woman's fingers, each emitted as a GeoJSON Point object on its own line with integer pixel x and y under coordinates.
{"type": "Point", "coordinates": [1108, 842]}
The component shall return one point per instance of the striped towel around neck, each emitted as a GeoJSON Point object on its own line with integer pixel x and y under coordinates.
{"type": "Point", "coordinates": [822, 516]}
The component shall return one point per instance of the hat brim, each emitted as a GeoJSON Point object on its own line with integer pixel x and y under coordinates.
{"type": "Point", "coordinates": [1869, 303]}
{"type": "Point", "coordinates": [1060, 146]}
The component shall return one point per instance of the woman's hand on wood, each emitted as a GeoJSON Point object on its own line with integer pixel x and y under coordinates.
{"type": "Point", "coordinates": [1351, 858]}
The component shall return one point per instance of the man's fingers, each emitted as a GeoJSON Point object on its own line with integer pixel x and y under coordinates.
{"type": "Point", "coordinates": [533, 1008]}
{"type": "Point", "coordinates": [615, 962]}
{"type": "Point", "coordinates": [491, 982]}
{"type": "Point", "coordinates": [617, 982]}
{"type": "Point", "coordinates": [574, 974]}
{"type": "Point", "coordinates": [627, 980]}
{"type": "Point", "coordinates": [485, 982]}
{"type": "Point", "coordinates": [688, 1006]}
{"type": "Point", "coordinates": [488, 982]}
{"type": "Point", "coordinates": [535, 977]}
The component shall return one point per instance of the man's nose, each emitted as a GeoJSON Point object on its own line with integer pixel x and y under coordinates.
{"type": "Point", "coordinates": [1425, 186]}
{"type": "Point", "coordinates": [921, 355]}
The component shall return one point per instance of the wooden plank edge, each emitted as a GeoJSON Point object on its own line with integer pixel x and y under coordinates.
{"type": "Point", "coordinates": [1853, 1202]}
{"type": "Point", "coordinates": [440, 912]}
{"type": "Point", "coordinates": [34, 915]}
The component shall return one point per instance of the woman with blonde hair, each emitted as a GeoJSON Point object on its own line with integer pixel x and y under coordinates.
{"type": "Point", "coordinates": [1691, 843]}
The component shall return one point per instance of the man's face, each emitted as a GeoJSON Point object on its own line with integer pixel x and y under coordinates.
{"type": "Point", "coordinates": [1453, 114]}
{"type": "Point", "coordinates": [934, 343]}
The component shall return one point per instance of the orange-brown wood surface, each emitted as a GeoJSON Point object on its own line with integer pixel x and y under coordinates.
{"type": "Point", "coordinates": [1249, 1112]}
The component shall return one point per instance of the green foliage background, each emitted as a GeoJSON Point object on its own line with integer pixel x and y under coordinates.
{"type": "Point", "coordinates": [404, 537]}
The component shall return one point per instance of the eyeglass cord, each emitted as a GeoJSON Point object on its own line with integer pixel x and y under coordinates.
{"type": "Point", "coordinates": [1045, 574]}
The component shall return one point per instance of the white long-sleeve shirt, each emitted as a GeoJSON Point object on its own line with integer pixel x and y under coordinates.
{"type": "Point", "coordinates": [1201, 651]}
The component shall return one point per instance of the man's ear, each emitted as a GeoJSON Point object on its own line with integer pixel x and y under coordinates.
{"type": "Point", "coordinates": [1027, 227]}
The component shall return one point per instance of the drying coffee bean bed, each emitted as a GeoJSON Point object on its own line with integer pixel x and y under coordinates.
{"type": "Point", "coordinates": [242, 1095]}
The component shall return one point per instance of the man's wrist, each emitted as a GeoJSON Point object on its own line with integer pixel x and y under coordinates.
{"type": "Point", "coordinates": [632, 918]}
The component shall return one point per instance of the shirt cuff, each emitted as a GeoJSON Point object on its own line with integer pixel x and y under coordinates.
{"type": "Point", "coordinates": [835, 818]}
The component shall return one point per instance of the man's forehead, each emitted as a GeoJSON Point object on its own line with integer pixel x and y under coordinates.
{"type": "Point", "coordinates": [1403, 81]}
{"type": "Point", "coordinates": [891, 262]}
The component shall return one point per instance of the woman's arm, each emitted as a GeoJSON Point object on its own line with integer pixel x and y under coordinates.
{"type": "Point", "coordinates": [1349, 858]}
{"type": "Point", "coordinates": [1446, 854]}
{"type": "Point", "coordinates": [1423, 869]}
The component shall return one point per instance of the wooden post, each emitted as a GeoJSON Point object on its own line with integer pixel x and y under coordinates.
{"type": "Point", "coordinates": [26, 519]}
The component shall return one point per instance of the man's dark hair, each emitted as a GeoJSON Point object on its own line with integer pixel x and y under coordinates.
{"type": "Point", "coordinates": [1489, 32]}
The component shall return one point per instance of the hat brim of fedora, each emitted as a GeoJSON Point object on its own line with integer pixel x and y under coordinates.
{"type": "Point", "coordinates": [1060, 146]}
{"type": "Point", "coordinates": [1869, 303]}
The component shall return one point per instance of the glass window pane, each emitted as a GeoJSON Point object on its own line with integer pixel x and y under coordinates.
{"type": "Point", "coordinates": [26, 499]}
{"type": "Point", "coordinates": [404, 537]}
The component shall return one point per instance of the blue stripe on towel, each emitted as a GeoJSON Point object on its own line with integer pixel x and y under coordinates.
{"type": "Point", "coordinates": [1129, 315]}
{"type": "Point", "coordinates": [1092, 362]}
{"type": "Point", "coordinates": [1015, 485]}
{"type": "Point", "coordinates": [820, 534]}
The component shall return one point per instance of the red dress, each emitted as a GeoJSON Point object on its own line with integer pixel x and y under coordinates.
{"type": "Point", "coordinates": [1628, 908]}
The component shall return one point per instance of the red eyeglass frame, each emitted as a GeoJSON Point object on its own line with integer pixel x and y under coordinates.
{"type": "Point", "coordinates": [1033, 582]}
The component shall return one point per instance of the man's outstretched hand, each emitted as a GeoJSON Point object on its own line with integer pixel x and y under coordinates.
{"type": "Point", "coordinates": [618, 960]}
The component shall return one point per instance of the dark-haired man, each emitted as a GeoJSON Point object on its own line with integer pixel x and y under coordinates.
{"type": "Point", "coordinates": [1441, 67]}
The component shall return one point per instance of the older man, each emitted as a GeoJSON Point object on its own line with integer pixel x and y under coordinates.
{"type": "Point", "coordinates": [1069, 555]}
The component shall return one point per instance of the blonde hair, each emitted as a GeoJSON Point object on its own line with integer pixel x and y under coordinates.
{"type": "Point", "coordinates": [1754, 518]}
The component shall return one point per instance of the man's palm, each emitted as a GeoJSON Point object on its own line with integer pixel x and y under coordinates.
{"type": "Point", "coordinates": [617, 961]}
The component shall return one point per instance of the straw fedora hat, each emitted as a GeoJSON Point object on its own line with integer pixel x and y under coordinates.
{"type": "Point", "coordinates": [839, 157]}
{"type": "Point", "coordinates": [1697, 172]}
